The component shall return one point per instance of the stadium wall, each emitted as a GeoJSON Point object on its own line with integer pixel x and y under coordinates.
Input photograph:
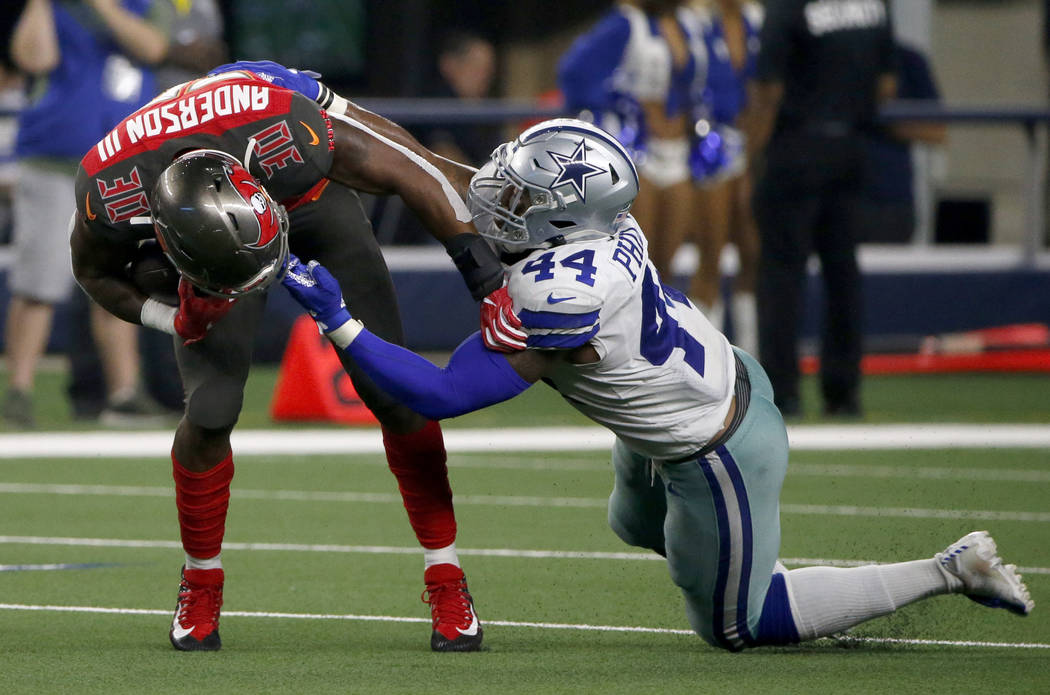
{"type": "Point", "coordinates": [907, 294]}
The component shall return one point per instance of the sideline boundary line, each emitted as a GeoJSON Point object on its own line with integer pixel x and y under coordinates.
{"type": "Point", "coordinates": [96, 444]}
{"type": "Point", "coordinates": [500, 623]}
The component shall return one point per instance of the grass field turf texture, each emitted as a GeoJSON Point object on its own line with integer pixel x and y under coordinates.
{"type": "Point", "coordinates": [331, 604]}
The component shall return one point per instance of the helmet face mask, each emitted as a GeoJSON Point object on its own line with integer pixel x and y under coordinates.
{"type": "Point", "coordinates": [218, 225]}
{"type": "Point", "coordinates": [560, 180]}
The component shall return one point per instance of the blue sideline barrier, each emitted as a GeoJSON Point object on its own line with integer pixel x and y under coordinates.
{"type": "Point", "coordinates": [437, 312]}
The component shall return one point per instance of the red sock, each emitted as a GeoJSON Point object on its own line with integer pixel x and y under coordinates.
{"type": "Point", "coordinates": [202, 500]}
{"type": "Point", "coordinates": [417, 460]}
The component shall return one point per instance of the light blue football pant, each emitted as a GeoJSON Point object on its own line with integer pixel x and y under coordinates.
{"type": "Point", "coordinates": [717, 518]}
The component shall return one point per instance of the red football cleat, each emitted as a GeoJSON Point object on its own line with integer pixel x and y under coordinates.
{"type": "Point", "coordinates": [195, 627]}
{"type": "Point", "coordinates": [456, 626]}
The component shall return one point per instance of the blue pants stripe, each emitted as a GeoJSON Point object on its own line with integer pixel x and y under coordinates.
{"type": "Point", "coordinates": [735, 548]}
{"type": "Point", "coordinates": [724, 554]}
{"type": "Point", "coordinates": [747, 539]}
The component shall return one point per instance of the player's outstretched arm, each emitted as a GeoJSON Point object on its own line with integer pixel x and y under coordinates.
{"type": "Point", "coordinates": [376, 155]}
{"type": "Point", "coordinates": [360, 161]}
{"type": "Point", "coordinates": [474, 378]}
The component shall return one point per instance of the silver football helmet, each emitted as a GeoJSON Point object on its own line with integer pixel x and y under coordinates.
{"type": "Point", "coordinates": [561, 179]}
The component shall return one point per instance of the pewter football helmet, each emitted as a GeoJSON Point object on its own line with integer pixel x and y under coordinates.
{"type": "Point", "coordinates": [218, 225]}
{"type": "Point", "coordinates": [562, 179]}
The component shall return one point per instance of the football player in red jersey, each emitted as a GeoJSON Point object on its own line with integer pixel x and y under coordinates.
{"type": "Point", "coordinates": [229, 172]}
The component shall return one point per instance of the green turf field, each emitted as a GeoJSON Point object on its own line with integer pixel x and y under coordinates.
{"type": "Point", "coordinates": [324, 576]}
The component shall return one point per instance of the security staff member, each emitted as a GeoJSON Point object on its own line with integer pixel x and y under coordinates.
{"type": "Point", "coordinates": [823, 68]}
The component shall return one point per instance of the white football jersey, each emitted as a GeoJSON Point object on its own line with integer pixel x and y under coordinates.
{"type": "Point", "coordinates": [664, 380]}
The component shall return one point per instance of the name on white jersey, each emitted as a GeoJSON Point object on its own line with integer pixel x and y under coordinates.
{"type": "Point", "coordinates": [188, 112]}
{"type": "Point", "coordinates": [630, 253]}
{"type": "Point", "coordinates": [825, 16]}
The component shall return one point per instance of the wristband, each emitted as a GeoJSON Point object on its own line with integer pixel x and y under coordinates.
{"type": "Point", "coordinates": [345, 334]}
{"type": "Point", "coordinates": [329, 100]}
{"type": "Point", "coordinates": [158, 315]}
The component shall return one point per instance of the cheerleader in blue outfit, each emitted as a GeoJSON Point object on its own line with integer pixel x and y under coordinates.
{"type": "Point", "coordinates": [634, 74]}
{"type": "Point", "coordinates": [718, 161]}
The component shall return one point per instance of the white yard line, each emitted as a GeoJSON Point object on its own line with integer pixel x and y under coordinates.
{"type": "Point", "coordinates": [96, 444]}
{"type": "Point", "coordinates": [411, 550]}
{"type": "Point", "coordinates": [502, 623]}
{"type": "Point", "coordinates": [313, 496]}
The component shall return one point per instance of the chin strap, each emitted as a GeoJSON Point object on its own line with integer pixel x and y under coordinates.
{"type": "Point", "coordinates": [248, 152]}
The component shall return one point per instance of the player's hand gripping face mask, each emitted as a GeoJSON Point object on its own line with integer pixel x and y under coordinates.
{"type": "Point", "coordinates": [561, 180]}
{"type": "Point", "coordinates": [218, 225]}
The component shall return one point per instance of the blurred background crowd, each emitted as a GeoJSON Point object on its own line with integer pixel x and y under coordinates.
{"type": "Point", "coordinates": [72, 69]}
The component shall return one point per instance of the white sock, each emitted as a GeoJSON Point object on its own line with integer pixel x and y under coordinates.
{"type": "Point", "coordinates": [745, 322]}
{"type": "Point", "coordinates": [826, 600]}
{"type": "Point", "coordinates": [210, 563]}
{"type": "Point", "coordinates": [440, 556]}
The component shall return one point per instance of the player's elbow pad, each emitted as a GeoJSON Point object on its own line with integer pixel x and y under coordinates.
{"type": "Point", "coordinates": [477, 262]}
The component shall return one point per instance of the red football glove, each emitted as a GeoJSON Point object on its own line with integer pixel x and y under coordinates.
{"type": "Point", "coordinates": [500, 326]}
{"type": "Point", "coordinates": [197, 314]}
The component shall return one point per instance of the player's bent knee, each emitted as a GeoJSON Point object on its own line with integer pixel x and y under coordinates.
{"type": "Point", "coordinates": [777, 625]}
{"type": "Point", "coordinates": [398, 419]}
{"type": "Point", "coordinates": [631, 535]}
{"type": "Point", "coordinates": [216, 404]}
{"type": "Point", "coordinates": [198, 449]}
{"type": "Point", "coordinates": [701, 619]}
{"type": "Point", "coordinates": [714, 622]}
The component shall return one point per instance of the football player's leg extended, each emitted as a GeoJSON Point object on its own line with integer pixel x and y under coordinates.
{"type": "Point", "coordinates": [334, 231]}
{"type": "Point", "coordinates": [723, 537]}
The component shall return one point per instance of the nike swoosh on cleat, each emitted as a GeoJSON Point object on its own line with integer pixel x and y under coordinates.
{"type": "Point", "coordinates": [551, 299]}
{"type": "Point", "coordinates": [472, 629]}
{"type": "Point", "coordinates": [178, 632]}
{"type": "Point", "coordinates": [312, 134]}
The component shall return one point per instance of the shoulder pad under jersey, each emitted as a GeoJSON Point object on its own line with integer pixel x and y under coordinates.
{"type": "Point", "coordinates": [558, 295]}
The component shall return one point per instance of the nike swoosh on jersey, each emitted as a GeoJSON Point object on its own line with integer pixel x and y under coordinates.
{"type": "Point", "coordinates": [472, 629]}
{"type": "Point", "coordinates": [87, 207]}
{"type": "Point", "coordinates": [551, 299]}
{"type": "Point", "coordinates": [312, 134]}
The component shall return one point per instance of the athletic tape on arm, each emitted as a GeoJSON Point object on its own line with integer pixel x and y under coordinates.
{"type": "Point", "coordinates": [159, 316]}
{"type": "Point", "coordinates": [460, 208]}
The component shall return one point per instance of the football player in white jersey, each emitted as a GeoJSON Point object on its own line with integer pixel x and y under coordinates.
{"type": "Point", "coordinates": [700, 452]}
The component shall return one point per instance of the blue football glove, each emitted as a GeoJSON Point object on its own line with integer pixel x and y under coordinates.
{"type": "Point", "coordinates": [303, 81]}
{"type": "Point", "coordinates": [318, 292]}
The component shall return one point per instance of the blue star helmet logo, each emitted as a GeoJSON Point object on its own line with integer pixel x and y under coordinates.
{"type": "Point", "coordinates": [575, 169]}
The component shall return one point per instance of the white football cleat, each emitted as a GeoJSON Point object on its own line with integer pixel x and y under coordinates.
{"type": "Point", "coordinates": [974, 561]}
